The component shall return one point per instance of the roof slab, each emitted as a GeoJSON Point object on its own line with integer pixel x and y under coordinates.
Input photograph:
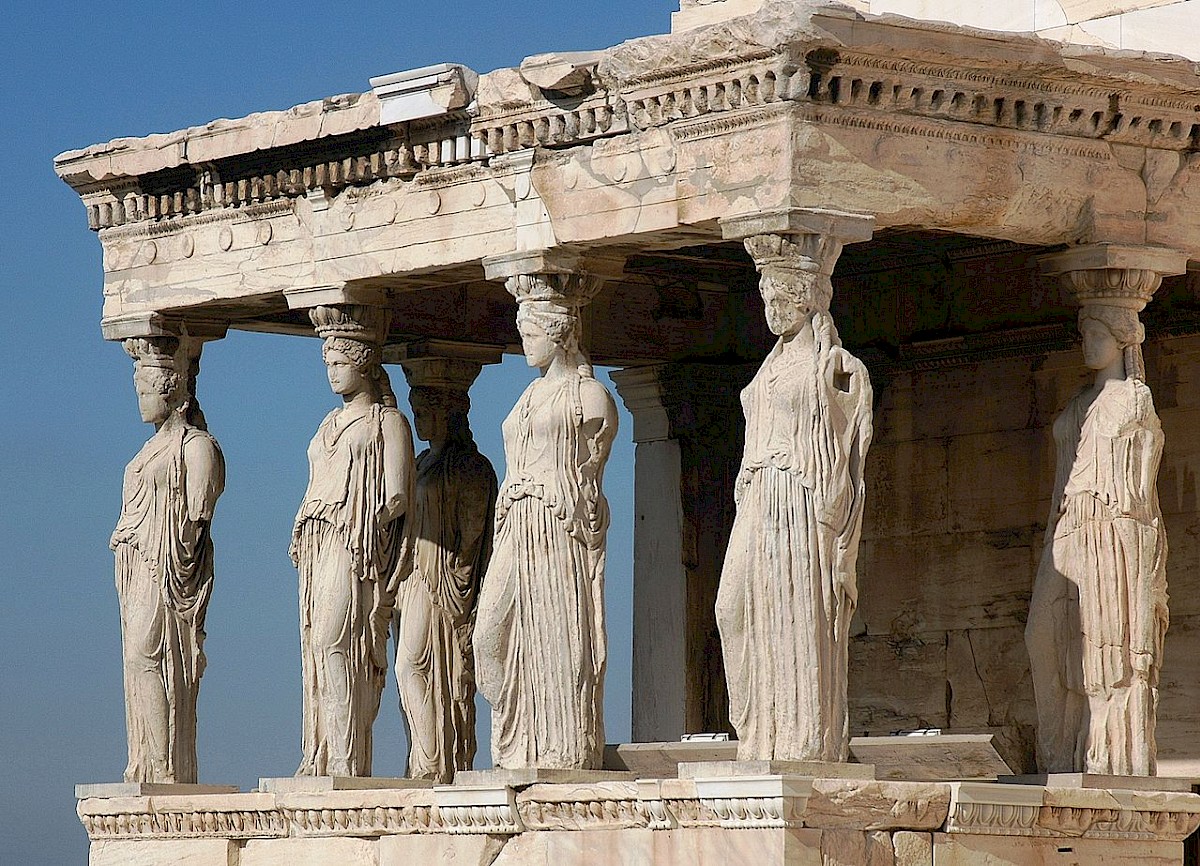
{"type": "Point", "coordinates": [950, 138]}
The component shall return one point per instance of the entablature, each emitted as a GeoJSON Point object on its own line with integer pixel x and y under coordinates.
{"type": "Point", "coordinates": [925, 126]}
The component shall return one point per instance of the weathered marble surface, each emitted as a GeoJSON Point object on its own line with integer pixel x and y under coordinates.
{"type": "Point", "coordinates": [788, 584]}
{"type": "Point", "coordinates": [658, 156]}
{"type": "Point", "coordinates": [451, 531]}
{"type": "Point", "coordinates": [1098, 616]}
{"type": "Point", "coordinates": [349, 545]}
{"type": "Point", "coordinates": [164, 562]}
{"type": "Point", "coordinates": [540, 646]}
{"type": "Point", "coordinates": [768, 820]}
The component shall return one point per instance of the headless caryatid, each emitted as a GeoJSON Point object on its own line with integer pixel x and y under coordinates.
{"type": "Point", "coordinates": [788, 587]}
{"type": "Point", "coordinates": [164, 562]}
{"type": "Point", "coordinates": [450, 526]}
{"type": "Point", "coordinates": [349, 545]}
{"type": "Point", "coordinates": [1098, 614]}
{"type": "Point", "coordinates": [540, 647]}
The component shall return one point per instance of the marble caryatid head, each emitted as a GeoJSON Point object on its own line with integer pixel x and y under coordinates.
{"type": "Point", "coordinates": [1109, 302]}
{"type": "Point", "coordinates": [793, 282]}
{"type": "Point", "coordinates": [353, 338]}
{"type": "Point", "coordinates": [160, 383]}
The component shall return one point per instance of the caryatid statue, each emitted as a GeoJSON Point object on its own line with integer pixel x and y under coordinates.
{"type": "Point", "coordinates": [1098, 615]}
{"type": "Point", "coordinates": [164, 562]}
{"type": "Point", "coordinates": [540, 648]}
{"type": "Point", "coordinates": [450, 526]}
{"type": "Point", "coordinates": [349, 544]}
{"type": "Point", "coordinates": [788, 585]}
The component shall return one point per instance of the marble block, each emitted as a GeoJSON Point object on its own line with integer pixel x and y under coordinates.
{"type": "Point", "coordinates": [662, 760]}
{"type": "Point", "coordinates": [309, 852]}
{"type": "Point", "coordinates": [316, 784]}
{"type": "Point", "coordinates": [805, 769]}
{"type": "Point", "coordinates": [437, 850]}
{"type": "Point", "coordinates": [478, 809]}
{"type": "Point", "coordinates": [523, 776]}
{"type": "Point", "coordinates": [178, 852]}
{"type": "Point", "coordinates": [754, 802]}
{"type": "Point", "coordinates": [961, 850]}
{"type": "Point", "coordinates": [942, 757]}
{"type": "Point", "coordinates": [1092, 780]}
{"type": "Point", "coordinates": [108, 790]}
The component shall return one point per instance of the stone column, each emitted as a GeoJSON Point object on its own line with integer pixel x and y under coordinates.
{"type": "Point", "coordinates": [687, 426]}
{"type": "Point", "coordinates": [540, 645]}
{"type": "Point", "coordinates": [349, 543]}
{"type": "Point", "coordinates": [1098, 615]}
{"type": "Point", "coordinates": [164, 553]}
{"type": "Point", "coordinates": [788, 584]}
{"type": "Point", "coordinates": [451, 522]}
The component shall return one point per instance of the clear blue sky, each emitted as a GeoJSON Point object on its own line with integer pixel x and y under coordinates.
{"type": "Point", "coordinates": [76, 74]}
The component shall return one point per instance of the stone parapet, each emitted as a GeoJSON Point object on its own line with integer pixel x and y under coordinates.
{"type": "Point", "coordinates": [782, 813]}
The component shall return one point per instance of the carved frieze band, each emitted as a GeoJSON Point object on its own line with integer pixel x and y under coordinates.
{"type": "Point", "coordinates": [850, 89]}
{"type": "Point", "coordinates": [984, 809]}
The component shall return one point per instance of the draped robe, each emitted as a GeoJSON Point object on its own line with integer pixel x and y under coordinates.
{"type": "Point", "coordinates": [450, 526]}
{"type": "Point", "coordinates": [164, 577]}
{"type": "Point", "coordinates": [539, 640]}
{"type": "Point", "coordinates": [788, 585]}
{"type": "Point", "coordinates": [1098, 615]}
{"type": "Point", "coordinates": [350, 565]}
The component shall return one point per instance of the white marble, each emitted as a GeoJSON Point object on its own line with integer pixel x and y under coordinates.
{"type": "Point", "coordinates": [788, 586]}
{"type": "Point", "coordinates": [349, 545]}
{"type": "Point", "coordinates": [164, 562]}
{"type": "Point", "coordinates": [540, 643]}
{"type": "Point", "coordinates": [1098, 615]}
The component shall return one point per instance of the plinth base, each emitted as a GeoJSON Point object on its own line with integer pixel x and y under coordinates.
{"type": "Point", "coordinates": [934, 758]}
{"type": "Point", "coordinates": [148, 789]}
{"type": "Point", "coordinates": [809, 769]}
{"type": "Point", "coordinates": [320, 784]}
{"type": "Point", "coordinates": [524, 776]}
{"type": "Point", "coordinates": [1091, 780]}
{"type": "Point", "coordinates": [766, 820]}
{"type": "Point", "coordinates": [662, 760]}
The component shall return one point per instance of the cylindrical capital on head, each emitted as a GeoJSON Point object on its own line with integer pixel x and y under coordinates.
{"type": "Point", "coordinates": [567, 292]}
{"type": "Point", "coordinates": [803, 252]}
{"type": "Point", "coordinates": [446, 374]}
{"type": "Point", "coordinates": [1128, 288]}
{"type": "Point", "coordinates": [360, 322]}
{"type": "Point", "coordinates": [1116, 275]}
{"type": "Point", "coordinates": [148, 352]}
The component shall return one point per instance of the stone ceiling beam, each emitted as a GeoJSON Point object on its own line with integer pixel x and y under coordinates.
{"type": "Point", "coordinates": [923, 126]}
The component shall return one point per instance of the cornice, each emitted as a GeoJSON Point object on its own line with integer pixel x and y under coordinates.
{"type": "Point", "coordinates": [984, 102]}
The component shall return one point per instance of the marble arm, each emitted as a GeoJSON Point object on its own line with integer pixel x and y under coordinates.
{"type": "Point", "coordinates": [398, 465]}
{"type": "Point", "coordinates": [204, 477]}
{"type": "Point", "coordinates": [599, 424]}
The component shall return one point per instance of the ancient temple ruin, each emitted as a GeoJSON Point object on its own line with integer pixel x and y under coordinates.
{"type": "Point", "coordinates": [964, 193]}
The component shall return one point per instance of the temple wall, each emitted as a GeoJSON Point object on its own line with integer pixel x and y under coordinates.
{"type": "Point", "coordinates": [960, 477]}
